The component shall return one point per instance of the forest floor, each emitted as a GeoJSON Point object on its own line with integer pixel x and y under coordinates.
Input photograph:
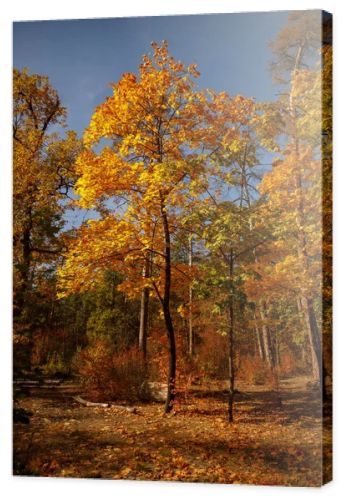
{"type": "Point", "coordinates": [275, 439]}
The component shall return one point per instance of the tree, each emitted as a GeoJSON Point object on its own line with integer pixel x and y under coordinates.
{"type": "Point", "coordinates": [296, 45]}
{"type": "Point", "coordinates": [293, 187]}
{"type": "Point", "coordinates": [42, 176]}
{"type": "Point", "coordinates": [163, 139]}
{"type": "Point", "coordinates": [228, 226]}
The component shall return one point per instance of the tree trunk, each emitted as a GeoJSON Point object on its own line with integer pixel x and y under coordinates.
{"type": "Point", "coordinates": [260, 344]}
{"type": "Point", "coordinates": [167, 316]}
{"type": "Point", "coordinates": [307, 306]}
{"type": "Point", "coordinates": [314, 363]}
{"type": "Point", "coordinates": [24, 270]}
{"type": "Point", "coordinates": [231, 340]}
{"type": "Point", "coordinates": [314, 340]}
{"type": "Point", "coordinates": [268, 355]}
{"type": "Point", "coordinates": [274, 347]}
{"type": "Point", "coordinates": [143, 331]}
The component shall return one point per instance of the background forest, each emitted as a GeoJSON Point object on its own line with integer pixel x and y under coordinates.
{"type": "Point", "coordinates": [203, 262]}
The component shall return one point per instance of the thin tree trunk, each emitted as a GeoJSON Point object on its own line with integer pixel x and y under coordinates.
{"type": "Point", "coordinates": [259, 341]}
{"type": "Point", "coordinates": [314, 364]}
{"type": "Point", "coordinates": [143, 330]}
{"type": "Point", "coordinates": [231, 340]}
{"type": "Point", "coordinates": [266, 338]}
{"type": "Point", "coordinates": [314, 341]}
{"type": "Point", "coordinates": [167, 316]}
{"type": "Point", "coordinates": [274, 346]}
{"type": "Point", "coordinates": [24, 270]}
{"type": "Point", "coordinates": [307, 306]}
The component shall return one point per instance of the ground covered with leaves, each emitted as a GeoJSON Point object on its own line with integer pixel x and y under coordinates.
{"type": "Point", "coordinates": [276, 437]}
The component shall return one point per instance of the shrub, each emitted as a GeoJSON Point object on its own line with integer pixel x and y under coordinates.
{"type": "Point", "coordinates": [107, 375]}
{"type": "Point", "coordinates": [212, 356]}
{"type": "Point", "coordinates": [55, 364]}
{"type": "Point", "coordinates": [129, 374]}
{"type": "Point", "coordinates": [252, 370]}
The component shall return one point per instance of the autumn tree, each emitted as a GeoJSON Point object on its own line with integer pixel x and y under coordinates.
{"type": "Point", "coordinates": [294, 185]}
{"type": "Point", "coordinates": [228, 224]}
{"type": "Point", "coordinates": [160, 143]}
{"type": "Point", "coordinates": [42, 175]}
{"type": "Point", "coordinates": [231, 238]}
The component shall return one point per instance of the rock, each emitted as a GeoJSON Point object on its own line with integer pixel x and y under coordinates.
{"type": "Point", "coordinates": [154, 391]}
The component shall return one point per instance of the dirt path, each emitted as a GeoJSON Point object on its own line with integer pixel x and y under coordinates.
{"type": "Point", "coordinates": [273, 440]}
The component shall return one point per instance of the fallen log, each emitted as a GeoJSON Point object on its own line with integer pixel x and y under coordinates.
{"type": "Point", "coordinates": [27, 382]}
{"type": "Point", "coordinates": [84, 402]}
{"type": "Point", "coordinates": [42, 383]}
{"type": "Point", "coordinates": [125, 408]}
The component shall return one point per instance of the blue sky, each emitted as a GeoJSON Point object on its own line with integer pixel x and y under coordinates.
{"type": "Point", "coordinates": [82, 56]}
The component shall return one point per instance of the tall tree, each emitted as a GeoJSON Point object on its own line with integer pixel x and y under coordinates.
{"type": "Point", "coordinates": [163, 139]}
{"type": "Point", "coordinates": [42, 175]}
{"type": "Point", "coordinates": [293, 187]}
